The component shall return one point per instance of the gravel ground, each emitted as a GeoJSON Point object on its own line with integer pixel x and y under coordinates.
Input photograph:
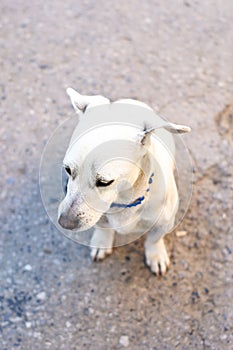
{"type": "Point", "coordinates": [177, 57]}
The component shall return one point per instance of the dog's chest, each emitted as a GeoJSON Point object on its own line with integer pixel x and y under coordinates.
{"type": "Point", "coordinates": [131, 220]}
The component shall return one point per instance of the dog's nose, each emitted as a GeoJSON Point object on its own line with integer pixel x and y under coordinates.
{"type": "Point", "coordinates": [68, 223]}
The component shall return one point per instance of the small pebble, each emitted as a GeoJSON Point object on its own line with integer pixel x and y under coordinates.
{"type": "Point", "coordinates": [43, 66]}
{"type": "Point", "coordinates": [41, 296]}
{"type": "Point", "coordinates": [221, 84]}
{"type": "Point", "coordinates": [91, 310]}
{"type": "Point", "coordinates": [15, 319]}
{"type": "Point", "coordinates": [223, 337]}
{"type": "Point", "coordinates": [27, 267]}
{"type": "Point", "coordinates": [124, 341]}
{"type": "Point", "coordinates": [37, 334]}
{"type": "Point", "coordinates": [181, 233]}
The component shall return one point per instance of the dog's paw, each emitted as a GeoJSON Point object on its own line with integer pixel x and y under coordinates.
{"type": "Point", "coordinates": [101, 244]}
{"type": "Point", "coordinates": [157, 258]}
{"type": "Point", "coordinates": [98, 254]}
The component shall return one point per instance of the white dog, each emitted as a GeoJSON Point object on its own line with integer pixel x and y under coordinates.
{"type": "Point", "coordinates": [125, 188]}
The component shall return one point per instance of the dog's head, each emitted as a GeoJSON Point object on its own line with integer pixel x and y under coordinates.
{"type": "Point", "coordinates": [105, 165]}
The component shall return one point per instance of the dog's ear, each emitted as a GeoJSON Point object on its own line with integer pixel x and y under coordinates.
{"type": "Point", "coordinates": [173, 128]}
{"type": "Point", "coordinates": [81, 102]}
{"type": "Point", "coordinates": [176, 129]}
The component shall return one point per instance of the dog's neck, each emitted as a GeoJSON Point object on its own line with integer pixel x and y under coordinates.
{"type": "Point", "coordinates": [137, 201]}
{"type": "Point", "coordinates": [141, 186]}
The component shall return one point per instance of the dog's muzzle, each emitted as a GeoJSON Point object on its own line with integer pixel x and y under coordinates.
{"type": "Point", "coordinates": [67, 223]}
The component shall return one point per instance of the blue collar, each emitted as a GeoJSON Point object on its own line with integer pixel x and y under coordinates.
{"type": "Point", "coordinates": [137, 201]}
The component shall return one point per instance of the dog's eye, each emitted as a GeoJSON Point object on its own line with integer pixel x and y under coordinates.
{"type": "Point", "coordinates": [68, 170]}
{"type": "Point", "coordinates": [102, 183]}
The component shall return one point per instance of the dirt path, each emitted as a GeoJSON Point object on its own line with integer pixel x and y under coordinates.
{"type": "Point", "coordinates": [177, 57]}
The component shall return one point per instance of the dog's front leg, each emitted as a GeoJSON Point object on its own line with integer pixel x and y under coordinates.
{"type": "Point", "coordinates": [101, 243]}
{"type": "Point", "coordinates": [156, 254]}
